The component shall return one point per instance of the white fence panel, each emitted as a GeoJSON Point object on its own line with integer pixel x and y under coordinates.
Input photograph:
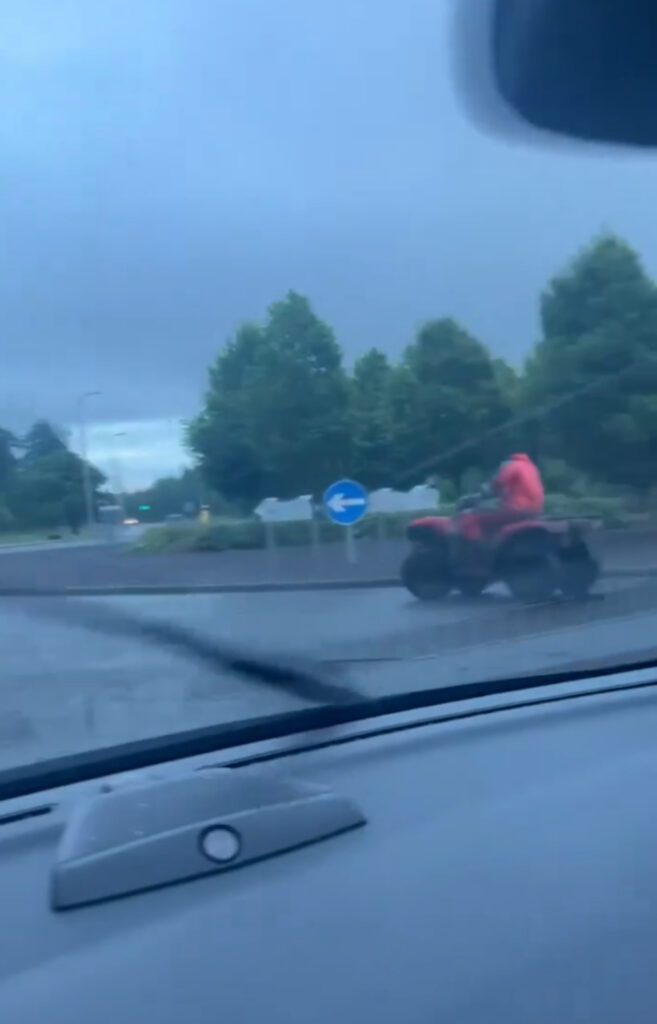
{"type": "Point", "coordinates": [419, 498]}
{"type": "Point", "coordinates": [271, 510]}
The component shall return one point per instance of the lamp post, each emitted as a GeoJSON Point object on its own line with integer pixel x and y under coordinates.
{"type": "Point", "coordinates": [118, 476]}
{"type": "Point", "coordinates": [86, 472]}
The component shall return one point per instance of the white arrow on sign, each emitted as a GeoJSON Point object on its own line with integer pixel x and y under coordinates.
{"type": "Point", "coordinates": [338, 503]}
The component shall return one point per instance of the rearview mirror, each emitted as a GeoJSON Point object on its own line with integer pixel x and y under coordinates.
{"type": "Point", "coordinates": [583, 69]}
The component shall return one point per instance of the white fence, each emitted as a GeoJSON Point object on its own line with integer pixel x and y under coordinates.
{"type": "Point", "coordinates": [419, 498]}
{"type": "Point", "coordinates": [383, 502]}
{"type": "Point", "coordinates": [271, 510]}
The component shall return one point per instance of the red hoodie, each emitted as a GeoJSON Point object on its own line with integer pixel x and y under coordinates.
{"type": "Point", "coordinates": [518, 485]}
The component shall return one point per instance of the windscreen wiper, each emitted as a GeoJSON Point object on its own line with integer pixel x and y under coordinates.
{"type": "Point", "coordinates": [304, 679]}
{"type": "Point", "coordinates": [145, 753]}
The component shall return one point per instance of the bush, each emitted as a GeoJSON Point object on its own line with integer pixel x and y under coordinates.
{"type": "Point", "coordinates": [251, 534]}
{"type": "Point", "coordinates": [234, 535]}
{"type": "Point", "coordinates": [393, 525]}
{"type": "Point", "coordinates": [472, 480]}
{"type": "Point", "coordinates": [6, 518]}
{"type": "Point", "coordinates": [612, 512]}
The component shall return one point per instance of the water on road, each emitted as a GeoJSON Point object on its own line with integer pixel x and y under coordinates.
{"type": "Point", "coordinates": [67, 689]}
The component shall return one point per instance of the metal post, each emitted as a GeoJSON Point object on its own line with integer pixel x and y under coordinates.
{"type": "Point", "coordinates": [118, 476]}
{"type": "Point", "coordinates": [314, 538]}
{"type": "Point", "coordinates": [270, 542]}
{"type": "Point", "coordinates": [86, 473]}
{"type": "Point", "coordinates": [350, 543]}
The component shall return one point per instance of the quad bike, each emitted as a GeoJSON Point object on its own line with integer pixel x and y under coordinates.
{"type": "Point", "coordinates": [535, 558]}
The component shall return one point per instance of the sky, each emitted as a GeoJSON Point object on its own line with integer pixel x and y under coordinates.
{"type": "Point", "coordinates": [169, 168]}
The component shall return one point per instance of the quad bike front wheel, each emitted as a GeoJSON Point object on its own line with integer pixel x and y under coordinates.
{"type": "Point", "coordinates": [425, 573]}
{"type": "Point", "coordinates": [578, 570]}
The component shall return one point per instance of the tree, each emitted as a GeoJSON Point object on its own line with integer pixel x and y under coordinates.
{"type": "Point", "coordinates": [47, 487]}
{"type": "Point", "coordinates": [221, 435]}
{"type": "Point", "coordinates": [41, 440]}
{"type": "Point", "coordinates": [595, 368]}
{"type": "Point", "coordinates": [371, 419]}
{"type": "Point", "coordinates": [275, 417]}
{"type": "Point", "coordinates": [166, 496]}
{"type": "Point", "coordinates": [448, 405]}
{"type": "Point", "coordinates": [8, 444]}
{"type": "Point", "coordinates": [508, 381]}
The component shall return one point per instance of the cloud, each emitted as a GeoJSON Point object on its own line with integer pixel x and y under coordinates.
{"type": "Point", "coordinates": [169, 169]}
{"type": "Point", "coordinates": [134, 453]}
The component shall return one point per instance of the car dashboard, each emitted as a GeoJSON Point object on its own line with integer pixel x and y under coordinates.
{"type": "Point", "coordinates": [495, 863]}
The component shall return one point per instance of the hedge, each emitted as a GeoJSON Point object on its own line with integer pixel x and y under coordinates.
{"type": "Point", "coordinates": [250, 534]}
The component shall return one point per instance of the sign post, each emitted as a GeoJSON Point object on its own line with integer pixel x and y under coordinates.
{"type": "Point", "coordinates": [346, 502]}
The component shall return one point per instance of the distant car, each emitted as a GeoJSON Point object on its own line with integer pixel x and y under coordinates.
{"type": "Point", "coordinates": [174, 517]}
{"type": "Point", "coordinates": [131, 522]}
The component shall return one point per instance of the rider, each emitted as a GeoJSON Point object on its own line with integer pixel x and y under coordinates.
{"type": "Point", "coordinates": [518, 487]}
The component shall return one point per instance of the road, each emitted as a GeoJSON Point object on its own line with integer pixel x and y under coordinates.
{"type": "Point", "coordinates": [84, 565]}
{"type": "Point", "coordinates": [65, 689]}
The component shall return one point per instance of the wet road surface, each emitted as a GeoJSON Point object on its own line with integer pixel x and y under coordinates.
{"type": "Point", "coordinates": [64, 688]}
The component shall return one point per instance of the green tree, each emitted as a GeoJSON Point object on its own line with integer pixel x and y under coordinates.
{"type": "Point", "coordinates": [47, 486]}
{"type": "Point", "coordinates": [167, 496]}
{"type": "Point", "coordinates": [508, 381]}
{"type": "Point", "coordinates": [42, 439]}
{"type": "Point", "coordinates": [275, 418]}
{"type": "Point", "coordinates": [8, 445]}
{"type": "Point", "coordinates": [448, 405]}
{"type": "Point", "coordinates": [595, 368]}
{"type": "Point", "coordinates": [222, 436]}
{"type": "Point", "coordinates": [371, 419]}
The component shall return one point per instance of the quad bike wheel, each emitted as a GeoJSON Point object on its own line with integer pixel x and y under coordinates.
{"type": "Point", "coordinates": [533, 579]}
{"type": "Point", "coordinates": [425, 573]}
{"type": "Point", "coordinates": [472, 588]}
{"type": "Point", "coordinates": [579, 571]}
{"type": "Point", "coordinates": [531, 569]}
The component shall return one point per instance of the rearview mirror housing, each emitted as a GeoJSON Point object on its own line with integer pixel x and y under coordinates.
{"type": "Point", "coordinates": [581, 69]}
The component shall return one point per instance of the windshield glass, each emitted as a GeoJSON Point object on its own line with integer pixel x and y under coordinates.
{"type": "Point", "coordinates": [298, 361]}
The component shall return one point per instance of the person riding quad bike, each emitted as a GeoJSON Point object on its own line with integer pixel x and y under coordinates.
{"type": "Point", "coordinates": [500, 536]}
{"type": "Point", "coordinates": [515, 493]}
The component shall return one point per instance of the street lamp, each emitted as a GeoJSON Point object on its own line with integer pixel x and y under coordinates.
{"type": "Point", "coordinates": [86, 471]}
{"type": "Point", "coordinates": [118, 475]}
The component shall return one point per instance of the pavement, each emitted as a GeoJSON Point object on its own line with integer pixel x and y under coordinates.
{"type": "Point", "coordinates": [65, 688]}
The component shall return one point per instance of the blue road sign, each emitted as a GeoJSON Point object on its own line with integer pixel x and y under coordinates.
{"type": "Point", "coordinates": [346, 502]}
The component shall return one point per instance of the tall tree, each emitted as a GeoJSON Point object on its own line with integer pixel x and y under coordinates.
{"type": "Point", "coordinates": [41, 440]}
{"type": "Point", "coordinates": [222, 435]}
{"type": "Point", "coordinates": [371, 419]}
{"type": "Point", "coordinates": [275, 416]}
{"type": "Point", "coordinates": [595, 368]}
{"type": "Point", "coordinates": [9, 443]}
{"type": "Point", "coordinates": [447, 399]}
{"type": "Point", "coordinates": [47, 486]}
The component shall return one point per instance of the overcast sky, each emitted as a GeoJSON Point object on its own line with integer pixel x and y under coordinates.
{"type": "Point", "coordinates": [169, 167]}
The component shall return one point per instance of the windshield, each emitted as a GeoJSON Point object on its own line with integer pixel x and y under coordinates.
{"type": "Point", "coordinates": [300, 364]}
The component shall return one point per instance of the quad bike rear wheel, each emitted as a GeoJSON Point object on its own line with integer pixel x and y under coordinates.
{"type": "Point", "coordinates": [425, 573]}
{"type": "Point", "coordinates": [534, 579]}
{"type": "Point", "coordinates": [579, 571]}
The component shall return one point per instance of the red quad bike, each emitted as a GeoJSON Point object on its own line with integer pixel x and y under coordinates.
{"type": "Point", "coordinates": [535, 558]}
